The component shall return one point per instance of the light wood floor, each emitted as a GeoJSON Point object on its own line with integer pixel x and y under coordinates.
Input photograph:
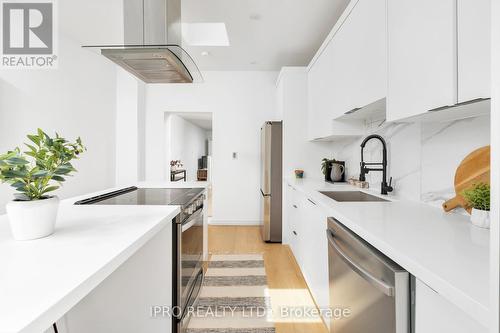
{"type": "Point", "coordinates": [286, 283]}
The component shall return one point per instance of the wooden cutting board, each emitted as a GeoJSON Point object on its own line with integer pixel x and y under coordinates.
{"type": "Point", "coordinates": [475, 168]}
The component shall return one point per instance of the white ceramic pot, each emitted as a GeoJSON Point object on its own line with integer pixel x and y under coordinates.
{"type": "Point", "coordinates": [480, 218]}
{"type": "Point", "coordinates": [32, 219]}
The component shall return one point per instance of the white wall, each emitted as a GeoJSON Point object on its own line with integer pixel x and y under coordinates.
{"type": "Point", "coordinates": [76, 99]}
{"type": "Point", "coordinates": [298, 153]}
{"type": "Point", "coordinates": [185, 142]}
{"type": "Point", "coordinates": [129, 126]}
{"type": "Point", "coordinates": [240, 103]}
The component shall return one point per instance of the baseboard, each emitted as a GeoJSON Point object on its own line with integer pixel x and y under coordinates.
{"type": "Point", "coordinates": [213, 221]}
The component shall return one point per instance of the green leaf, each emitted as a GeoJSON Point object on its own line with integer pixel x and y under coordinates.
{"type": "Point", "coordinates": [18, 184]}
{"type": "Point", "coordinates": [35, 139]}
{"type": "Point", "coordinates": [32, 148]}
{"type": "Point", "coordinates": [40, 174]}
{"type": "Point", "coordinates": [60, 171]}
{"type": "Point", "coordinates": [17, 161]}
{"type": "Point", "coordinates": [14, 173]}
{"type": "Point", "coordinates": [50, 189]}
{"type": "Point", "coordinates": [21, 197]}
{"type": "Point", "coordinates": [58, 178]}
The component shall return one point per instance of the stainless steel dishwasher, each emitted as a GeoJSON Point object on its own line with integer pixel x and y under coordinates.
{"type": "Point", "coordinates": [372, 291]}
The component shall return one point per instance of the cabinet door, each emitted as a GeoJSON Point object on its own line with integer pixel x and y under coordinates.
{"type": "Point", "coordinates": [319, 90]}
{"type": "Point", "coordinates": [434, 314]}
{"type": "Point", "coordinates": [422, 56]}
{"type": "Point", "coordinates": [361, 65]}
{"type": "Point", "coordinates": [351, 70]}
{"type": "Point", "coordinates": [294, 217]}
{"type": "Point", "coordinates": [474, 49]}
{"type": "Point", "coordinates": [288, 214]}
{"type": "Point", "coordinates": [315, 267]}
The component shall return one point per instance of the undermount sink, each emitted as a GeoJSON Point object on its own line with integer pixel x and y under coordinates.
{"type": "Point", "coordinates": [353, 196]}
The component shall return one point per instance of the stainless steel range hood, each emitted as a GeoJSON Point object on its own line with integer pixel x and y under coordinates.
{"type": "Point", "coordinates": [151, 50]}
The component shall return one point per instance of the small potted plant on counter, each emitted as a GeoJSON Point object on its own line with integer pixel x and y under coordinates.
{"type": "Point", "coordinates": [326, 167]}
{"type": "Point", "coordinates": [478, 197]}
{"type": "Point", "coordinates": [35, 174]}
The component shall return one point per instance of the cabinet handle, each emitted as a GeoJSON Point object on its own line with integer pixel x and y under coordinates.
{"type": "Point", "coordinates": [311, 201]}
{"type": "Point", "coordinates": [352, 111]}
{"type": "Point", "coordinates": [294, 206]}
{"type": "Point", "coordinates": [445, 107]}
{"type": "Point", "coordinates": [294, 232]}
{"type": "Point", "coordinates": [361, 271]}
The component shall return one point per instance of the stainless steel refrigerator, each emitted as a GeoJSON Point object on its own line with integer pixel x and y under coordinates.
{"type": "Point", "coordinates": [271, 180]}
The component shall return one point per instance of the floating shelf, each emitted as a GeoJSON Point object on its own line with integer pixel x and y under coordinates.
{"type": "Point", "coordinates": [337, 137]}
{"type": "Point", "coordinates": [351, 125]}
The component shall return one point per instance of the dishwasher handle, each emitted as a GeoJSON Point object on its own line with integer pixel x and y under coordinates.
{"type": "Point", "coordinates": [380, 285]}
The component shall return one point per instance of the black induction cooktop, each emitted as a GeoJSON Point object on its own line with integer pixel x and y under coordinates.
{"type": "Point", "coordinates": [145, 196]}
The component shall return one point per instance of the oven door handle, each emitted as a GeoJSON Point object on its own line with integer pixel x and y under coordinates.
{"type": "Point", "coordinates": [367, 276]}
{"type": "Point", "coordinates": [192, 220]}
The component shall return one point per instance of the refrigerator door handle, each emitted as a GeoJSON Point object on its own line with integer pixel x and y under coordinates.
{"type": "Point", "coordinates": [263, 194]}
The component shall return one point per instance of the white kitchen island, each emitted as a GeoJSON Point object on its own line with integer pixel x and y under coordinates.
{"type": "Point", "coordinates": [94, 248]}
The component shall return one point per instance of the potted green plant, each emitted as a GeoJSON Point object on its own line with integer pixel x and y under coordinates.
{"type": "Point", "coordinates": [478, 197]}
{"type": "Point", "coordinates": [35, 174]}
{"type": "Point", "coordinates": [326, 167]}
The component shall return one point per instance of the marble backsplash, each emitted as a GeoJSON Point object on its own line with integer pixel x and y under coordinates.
{"type": "Point", "coordinates": [422, 157]}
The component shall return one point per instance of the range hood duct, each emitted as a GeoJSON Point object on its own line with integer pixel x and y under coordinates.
{"type": "Point", "coordinates": [152, 37]}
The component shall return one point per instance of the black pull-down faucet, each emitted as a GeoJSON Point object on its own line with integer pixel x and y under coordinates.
{"type": "Point", "coordinates": [364, 169]}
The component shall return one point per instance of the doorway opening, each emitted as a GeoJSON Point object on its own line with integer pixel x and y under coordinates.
{"type": "Point", "coordinates": [188, 156]}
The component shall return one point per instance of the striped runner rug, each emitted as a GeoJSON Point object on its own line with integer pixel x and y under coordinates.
{"type": "Point", "coordinates": [233, 298]}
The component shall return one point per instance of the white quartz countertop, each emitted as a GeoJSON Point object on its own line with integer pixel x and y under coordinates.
{"type": "Point", "coordinates": [40, 280]}
{"type": "Point", "coordinates": [444, 250]}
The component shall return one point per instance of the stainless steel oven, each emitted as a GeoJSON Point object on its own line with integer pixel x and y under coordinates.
{"type": "Point", "coordinates": [188, 261]}
{"type": "Point", "coordinates": [374, 290]}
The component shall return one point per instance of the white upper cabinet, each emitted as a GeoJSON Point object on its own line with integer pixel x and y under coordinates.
{"type": "Point", "coordinates": [319, 96]}
{"type": "Point", "coordinates": [421, 56]}
{"type": "Point", "coordinates": [349, 70]}
{"type": "Point", "coordinates": [473, 49]}
{"type": "Point", "coordinates": [438, 54]}
{"type": "Point", "coordinates": [362, 65]}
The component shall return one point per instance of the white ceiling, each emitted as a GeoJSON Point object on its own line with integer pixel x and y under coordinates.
{"type": "Point", "coordinates": [263, 34]}
{"type": "Point", "coordinates": [200, 119]}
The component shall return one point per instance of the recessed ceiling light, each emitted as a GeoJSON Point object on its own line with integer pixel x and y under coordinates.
{"type": "Point", "coordinates": [255, 17]}
{"type": "Point", "coordinates": [205, 53]}
{"type": "Point", "coordinates": [253, 62]}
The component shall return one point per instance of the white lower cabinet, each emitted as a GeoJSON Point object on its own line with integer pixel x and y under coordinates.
{"type": "Point", "coordinates": [306, 226]}
{"type": "Point", "coordinates": [314, 253]}
{"type": "Point", "coordinates": [434, 314]}
{"type": "Point", "coordinates": [292, 216]}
